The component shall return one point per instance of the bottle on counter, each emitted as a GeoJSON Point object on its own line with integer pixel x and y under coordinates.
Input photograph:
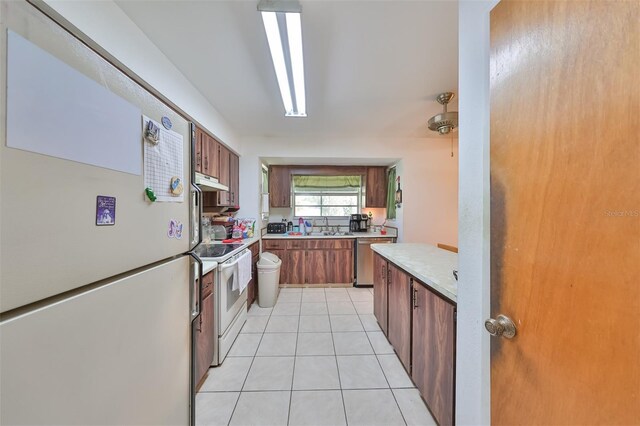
{"type": "Point", "coordinates": [289, 226]}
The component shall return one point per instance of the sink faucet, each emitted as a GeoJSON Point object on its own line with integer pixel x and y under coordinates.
{"type": "Point", "coordinates": [326, 222]}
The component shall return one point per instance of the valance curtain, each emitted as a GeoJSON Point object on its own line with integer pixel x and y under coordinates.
{"type": "Point", "coordinates": [391, 194]}
{"type": "Point", "coordinates": [326, 182]}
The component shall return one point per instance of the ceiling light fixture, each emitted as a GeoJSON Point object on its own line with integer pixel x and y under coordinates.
{"type": "Point", "coordinates": [446, 121]}
{"type": "Point", "coordinates": [281, 19]}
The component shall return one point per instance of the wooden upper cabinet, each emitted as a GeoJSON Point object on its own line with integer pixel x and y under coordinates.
{"type": "Point", "coordinates": [210, 159]}
{"type": "Point", "coordinates": [199, 134]}
{"type": "Point", "coordinates": [399, 331]}
{"type": "Point", "coordinates": [380, 291]}
{"type": "Point", "coordinates": [224, 197]}
{"type": "Point", "coordinates": [376, 187]}
{"type": "Point", "coordinates": [206, 154]}
{"type": "Point", "coordinates": [234, 179]}
{"type": "Point", "coordinates": [279, 186]}
{"type": "Point", "coordinates": [433, 352]}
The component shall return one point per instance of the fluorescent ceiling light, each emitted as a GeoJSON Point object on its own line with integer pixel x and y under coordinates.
{"type": "Point", "coordinates": [287, 58]}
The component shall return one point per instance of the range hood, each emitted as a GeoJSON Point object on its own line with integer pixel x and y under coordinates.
{"type": "Point", "coordinates": [207, 183]}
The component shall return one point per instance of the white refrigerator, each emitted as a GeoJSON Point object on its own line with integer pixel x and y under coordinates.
{"type": "Point", "coordinates": [98, 289]}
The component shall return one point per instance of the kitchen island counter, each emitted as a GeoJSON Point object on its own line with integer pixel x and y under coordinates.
{"type": "Point", "coordinates": [428, 264]}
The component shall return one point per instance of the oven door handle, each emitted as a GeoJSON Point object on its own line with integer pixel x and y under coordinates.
{"type": "Point", "coordinates": [234, 263]}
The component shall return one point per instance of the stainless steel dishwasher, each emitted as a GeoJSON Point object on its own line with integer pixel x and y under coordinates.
{"type": "Point", "coordinates": [364, 258]}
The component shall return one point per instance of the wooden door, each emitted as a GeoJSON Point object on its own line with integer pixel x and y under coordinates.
{"type": "Point", "coordinates": [433, 352]}
{"type": "Point", "coordinates": [198, 150]}
{"type": "Point", "coordinates": [224, 197]}
{"type": "Point", "coordinates": [279, 186]}
{"type": "Point", "coordinates": [565, 203]}
{"type": "Point", "coordinates": [318, 264]}
{"type": "Point", "coordinates": [204, 336]}
{"type": "Point", "coordinates": [376, 190]}
{"type": "Point", "coordinates": [212, 161]}
{"type": "Point", "coordinates": [399, 315]}
{"type": "Point", "coordinates": [380, 291]}
{"type": "Point", "coordinates": [206, 153]}
{"type": "Point", "coordinates": [342, 266]}
{"type": "Point", "coordinates": [234, 178]}
{"type": "Point", "coordinates": [296, 266]}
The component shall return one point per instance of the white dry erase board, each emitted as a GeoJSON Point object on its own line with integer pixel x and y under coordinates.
{"type": "Point", "coordinates": [53, 109]}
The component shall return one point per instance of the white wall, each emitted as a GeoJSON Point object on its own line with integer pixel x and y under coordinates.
{"type": "Point", "coordinates": [429, 177]}
{"type": "Point", "coordinates": [473, 387]}
{"type": "Point", "coordinates": [107, 25]}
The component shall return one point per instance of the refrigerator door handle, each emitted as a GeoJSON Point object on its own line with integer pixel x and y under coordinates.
{"type": "Point", "coordinates": [196, 197]}
{"type": "Point", "coordinates": [196, 286]}
{"type": "Point", "coordinates": [196, 216]}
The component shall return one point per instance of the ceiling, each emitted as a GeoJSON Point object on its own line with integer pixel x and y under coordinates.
{"type": "Point", "coordinates": [372, 68]}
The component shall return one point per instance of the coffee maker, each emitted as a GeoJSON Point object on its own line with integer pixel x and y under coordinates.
{"type": "Point", "coordinates": [358, 223]}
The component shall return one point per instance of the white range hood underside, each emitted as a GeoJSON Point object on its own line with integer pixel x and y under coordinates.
{"type": "Point", "coordinates": [207, 183]}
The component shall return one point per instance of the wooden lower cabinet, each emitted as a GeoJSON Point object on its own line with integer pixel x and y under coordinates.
{"type": "Point", "coordinates": [309, 261]}
{"type": "Point", "coordinates": [341, 267]}
{"type": "Point", "coordinates": [296, 266]}
{"type": "Point", "coordinates": [433, 354]}
{"type": "Point", "coordinates": [318, 265]}
{"type": "Point", "coordinates": [399, 313]}
{"type": "Point", "coordinates": [204, 336]}
{"type": "Point", "coordinates": [282, 255]}
{"type": "Point", "coordinates": [252, 287]}
{"type": "Point", "coordinates": [380, 291]}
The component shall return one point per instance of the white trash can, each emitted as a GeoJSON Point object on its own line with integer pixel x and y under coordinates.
{"type": "Point", "coordinates": [268, 279]}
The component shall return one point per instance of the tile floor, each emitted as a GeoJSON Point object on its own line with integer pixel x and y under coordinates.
{"type": "Point", "coordinates": [317, 357]}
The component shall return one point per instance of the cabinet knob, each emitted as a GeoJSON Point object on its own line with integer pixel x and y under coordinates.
{"type": "Point", "coordinates": [502, 326]}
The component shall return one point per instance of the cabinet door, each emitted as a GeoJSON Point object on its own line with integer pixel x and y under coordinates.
{"type": "Point", "coordinates": [283, 256]}
{"type": "Point", "coordinates": [279, 186]}
{"type": "Point", "coordinates": [252, 287]}
{"type": "Point", "coordinates": [317, 268]}
{"type": "Point", "coordinates": [380, 291]}
{"type": "Point", "coordinates": [224, 197]}
{"type": "Point", "coordinates": [376, 190]}
{"type": "Point", "coordinates": [198, 150]}
{"type": "Point", "coordinates": [399, 303]}
{"type": "Point", "coordinates": [234, 179]}
{"type": "Point", "coordinates": [342, 266]}
{"type": "Point", "coordinates": [206, 153]}
{"type": "Point", "coordinates": [211, 161]}
{"type": "Point", "coordinates": [434, 334]}
{"type": "Point", "coordinates": [296, 265]}
{"type": "Point", "coordinates": [204, 335]}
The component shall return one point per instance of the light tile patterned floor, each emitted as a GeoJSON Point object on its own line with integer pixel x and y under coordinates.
{"type": "Point", "coordinates": [317, 358]}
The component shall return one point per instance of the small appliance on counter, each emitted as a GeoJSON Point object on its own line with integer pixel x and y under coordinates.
{"type": "Point", "coordinates": [277, 228]}
{"type": "Point", "coordinates": [358, 223]}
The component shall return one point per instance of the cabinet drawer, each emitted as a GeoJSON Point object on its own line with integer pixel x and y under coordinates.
{"type": "Point", "coordinates": [343, 244]}
{"type": "Point", "coordinates": [274, 244]}
{"type": "Point", "coordinates": [207, 285]}
{"type": "Point", "coordinates": [329, 244]}
{"type": "Point", "coordinates": [296, 244]}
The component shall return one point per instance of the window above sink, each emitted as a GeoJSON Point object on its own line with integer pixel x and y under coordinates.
{"type": "Point", "coordinates": [329, 196]}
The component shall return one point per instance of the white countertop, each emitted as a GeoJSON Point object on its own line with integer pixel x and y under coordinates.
{"type": "Point", "coordinates": [208, 266]}
{"type": "Point", "coordinates": [315, 237]}
{"type": "Point", "coordinates": [429, 264]}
